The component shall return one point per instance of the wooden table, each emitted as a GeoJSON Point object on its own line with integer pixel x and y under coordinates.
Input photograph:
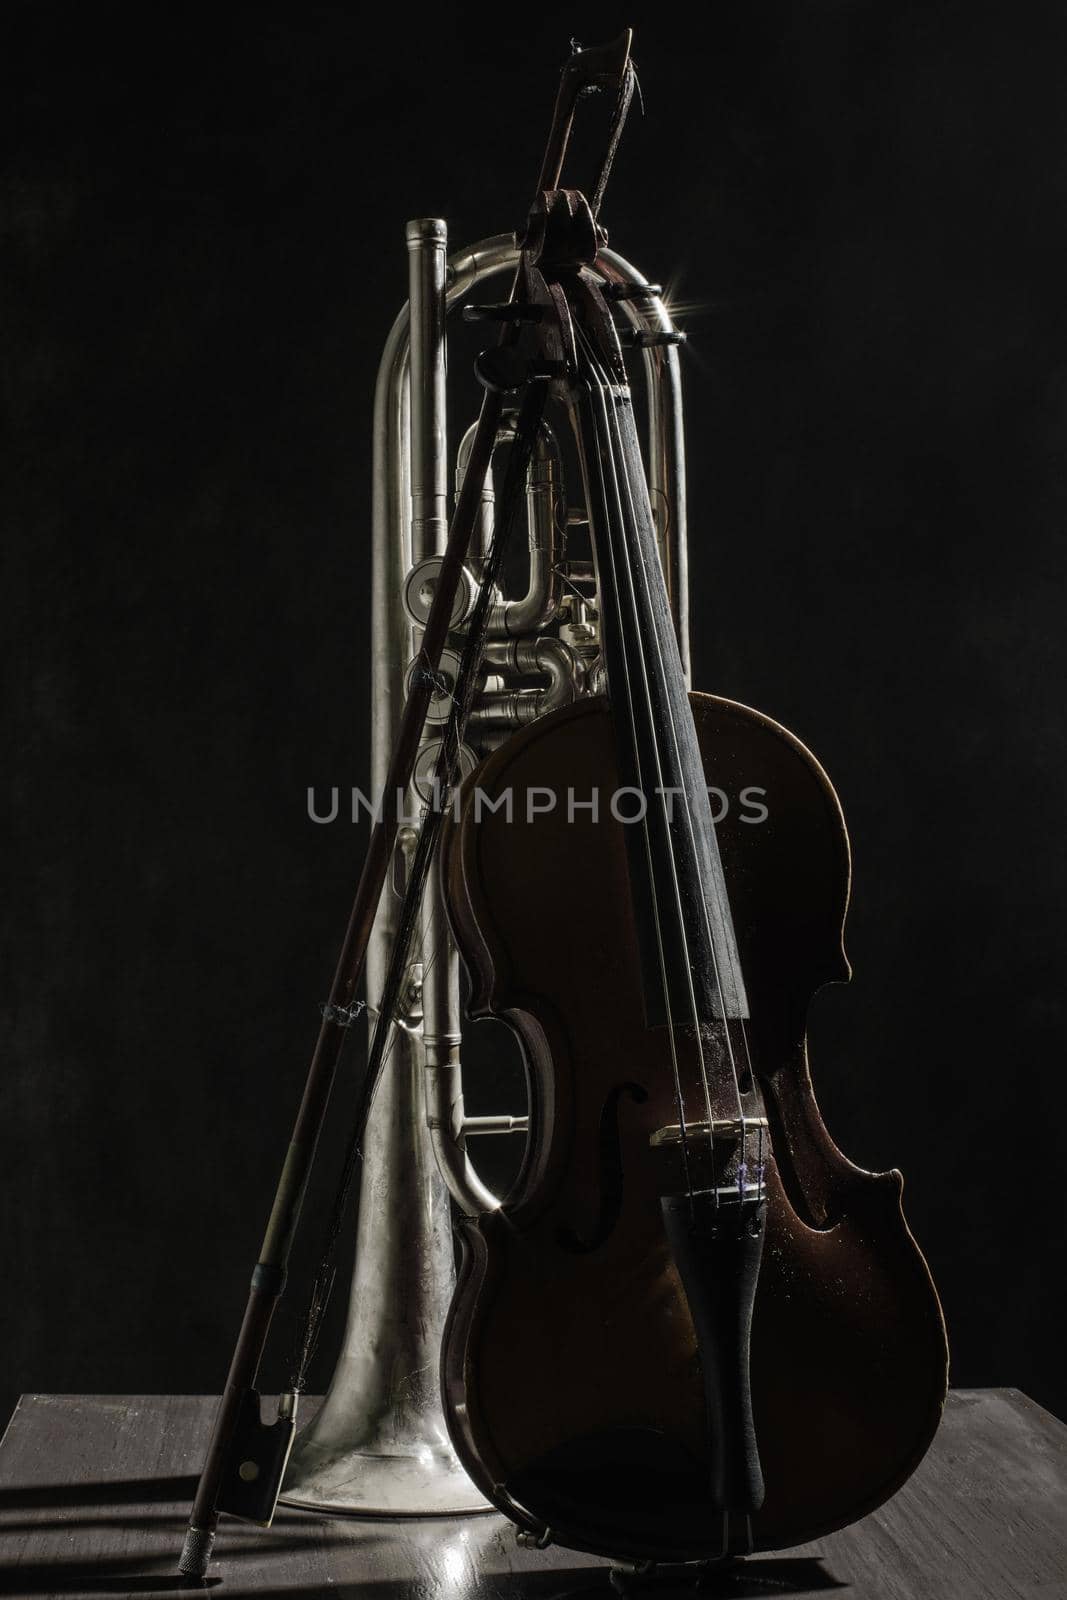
{"type": "Point", "coordinates": [95, 1491]}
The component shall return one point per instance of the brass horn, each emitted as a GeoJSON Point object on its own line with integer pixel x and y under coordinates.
{"type": "Point", "coordinates": [379, 1445]}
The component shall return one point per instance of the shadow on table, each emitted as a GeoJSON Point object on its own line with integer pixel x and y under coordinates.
{"type": "Point", "coordinates": [105, 1492]}
{"type": "Point", "coordinates": [97, 1505]}
{"type": "Point", "coordinates": [141, 1574]}
{"type": "Point", "coordinates": [405, 1562]}
{"type": "Point", "coordinates": [137, 1575]}
{"type": "Point", "coordinates": [796, 1576]}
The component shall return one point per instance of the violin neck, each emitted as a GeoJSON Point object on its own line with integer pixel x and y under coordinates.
{"type": "Point", "coordinates": [690, 964]}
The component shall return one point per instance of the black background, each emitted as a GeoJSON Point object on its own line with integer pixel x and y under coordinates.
{"type": "Point", "coordinates": [862, 209]}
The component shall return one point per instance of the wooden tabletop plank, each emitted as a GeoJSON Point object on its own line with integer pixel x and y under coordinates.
{"type": "Point", "coordinates": [95, 1491]}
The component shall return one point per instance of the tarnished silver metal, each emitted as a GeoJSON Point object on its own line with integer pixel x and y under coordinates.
{"type": "Point", "coordinates": [427, 445]}
{"type": "Point", "coordinates": [417, 593]}
{"type": "Point", "coordinates": [545, 658]}
{"type": "Point", "coordinates": [379, 1446]}
{"type": "Point", "coordinates": [423, 781]}
{"type": "Point", "coordinates": [537, 608]}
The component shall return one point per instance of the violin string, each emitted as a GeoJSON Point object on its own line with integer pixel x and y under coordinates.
{"type": "Point", "coordinates": [661, 952]}
{"type": "Point", "coordinates": [679, 908]}
{"type": "Point", "coordinates": [742, 1168]}
{"type": "Point", "coordinates": [748, 1063]}
{"type": "Point", "coordinates": [688, 812]}
{"type": "Point", "coordinates": [599, 387]}
{"type": "Point", "coordinates": [757, 1098]}
{"type": "Point", "coordinates": [715, 967]}
{"type": "Point", "coordinates": [679, 1093]}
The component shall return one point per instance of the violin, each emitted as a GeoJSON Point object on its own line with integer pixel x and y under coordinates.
{"type": "Point", "coordinates": [695, 1327]}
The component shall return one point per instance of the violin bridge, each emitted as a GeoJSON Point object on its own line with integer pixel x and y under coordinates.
{"type": "Point", "coordinates": [731, 1128]}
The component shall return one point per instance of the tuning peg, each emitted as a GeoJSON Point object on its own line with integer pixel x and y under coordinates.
{"type": "Point", "coordinates": [509, 311]}
{"type": "Point", "coordinates": [630, 291]}
{"type": "Point", "coordinates": [648, 338]}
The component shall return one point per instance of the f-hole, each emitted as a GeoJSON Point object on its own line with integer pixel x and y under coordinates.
{"type": "Point", "coordinates": [570, 1239]}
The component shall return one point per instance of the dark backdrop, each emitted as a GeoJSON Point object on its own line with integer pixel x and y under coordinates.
{"type": "Point", "coordinates": [862, 207]}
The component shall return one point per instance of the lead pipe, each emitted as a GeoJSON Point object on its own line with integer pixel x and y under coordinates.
{"type": "Point", "coordinates": [529, 613]}
{"type": "Point", "coordinates": [427, 240]}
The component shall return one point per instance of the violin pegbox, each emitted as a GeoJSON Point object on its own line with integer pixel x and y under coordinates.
{"type": "Point", "coordinates": [560, 248]}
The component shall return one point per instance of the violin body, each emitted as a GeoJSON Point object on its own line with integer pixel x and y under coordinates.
{"type": "Point", "coordinates": [571, 1371]}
